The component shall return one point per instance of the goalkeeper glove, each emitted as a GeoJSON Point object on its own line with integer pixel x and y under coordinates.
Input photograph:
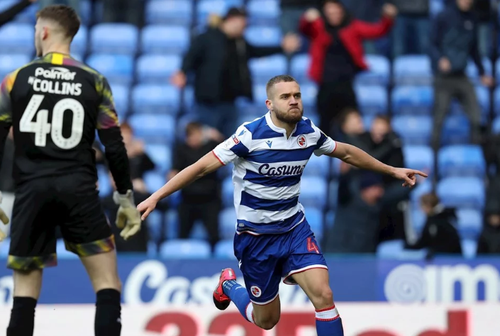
{"type": "Point", "coordinates": [128, 217]}
{"type": "Point", "coordinates": [4, 219]}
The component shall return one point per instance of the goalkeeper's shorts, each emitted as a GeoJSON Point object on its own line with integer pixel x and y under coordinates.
{"type": "Point", "coordinates": [43, 204]}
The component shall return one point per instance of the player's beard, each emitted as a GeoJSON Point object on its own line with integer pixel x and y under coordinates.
{"type": "Point", "coordinates": [292, 116]}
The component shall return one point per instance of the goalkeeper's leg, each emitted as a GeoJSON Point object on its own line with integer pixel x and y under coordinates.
{"type": "Point", "coordinates": [102, 270]}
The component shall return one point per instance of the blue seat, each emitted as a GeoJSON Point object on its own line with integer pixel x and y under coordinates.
{"type": "Point", "coordinates": [412, 70]}
{"type": "Point", "coordinates": [79, 44]}
{"type": "Point", "coordinates": [154, 180]}
{"type": "Point", "coordinates": [175, 12]}
{"type": "Point", "coordinates": [116, 38]}
{"type": "Point", "coordinates": [155, 225]}
{"type": "Point", "coordinates": [266, 67]}
{"type": "Point", "coordinates": [496, 100]}
{"type": "Point", "coordinates": [309, 93]}
{"type": "Point", "coordinates": [470, 223]}
{"type": "Point", "coordinates": [497, 67]}
{"type": "Point", "coordinates": [263, 36]}
{"type": "Point", "coordinates": [372, 100]}
{"type": "Point", "coordinates": [4, 248]}
{"type": "Point", "coordinates": [418, 218]}
{"type": "Point", "coordinates": [313, 192]}
{"type": "Point", "coordinates": [299, 67]}
{"type": "Point", "coordinates": [414, 130]}
{"type": "Point", "coordinates": [473, 73]}
{"type": "Point", "coordinates": [218, 7]}
{"type": "Point", "coordinates": [412, 100]}
{"type": "Point", "coordinates": [394, 249]}
{"type": "Point", "coordinates": [227, 222]}
{"type": "Point", "coordinates": [315, 219]}
{"type": "Point", "coordinates": [462, 192]}
{"type": "Point", "coordinates": [224, 249]}
{"type": "Point", "coordinates": [330, 219]}
{"type": "Point", "coordinates": [11, 62]}
{"type": "Point", "coordinates": [86, 11]}
{"type": "Point", "coordinates": [469, 248]}
{"type": "Point", "coordinates": [436, 6]}
{"type": "Point", "coordinates": [318, 166]}
{"type": "Point", "coordinates": [496, 125]}
{"type": "Point", "coordinates": [62, 253]}
{"type": "Point", "coordinates": [104, 181]}
{"type": "Point", "coordinates": [156, 128]}
{"type": "Point", "coordinates": [172, 224]}
{"type": "Point", "coordinates": [155, 99]}
{"type": "Point", "coordinates": [121, 94]}
{"type": "Point", "coordinates": [377, 73]}
{"type": "Point", "coordinates": [228, 192]}
{"type": "Point", "coordinates": [185, 249]}
{"type": "Point", "coordinates": [161, 155]}
{"type": "Point", "coordinates": [263, 12]}
{"type": "Point", "coordinates": [116, 68]}
{"type": "Point", "coordinates": [456, 130]}
{"type": "Point", "coordinates": [461, 160]}
{"type": "Point", "coordinates": [198, 231]}
{"type": "Point", "coordinates": [17, 38]}
{"type": "Point", "coordinates": [419, 157]}
{"type": "Point", "coordinates": [333, 194]}
{"type": "Point", "coordinates": [157, 68]}
{"type": "Point", "coordinates": [161, 39]}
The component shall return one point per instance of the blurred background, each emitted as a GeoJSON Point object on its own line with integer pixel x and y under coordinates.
{"type": "Point", "coordinates": [412, 82]}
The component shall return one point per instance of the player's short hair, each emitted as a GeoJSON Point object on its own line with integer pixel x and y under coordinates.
{"type": "Point", "coordinates": [429, 199]}
{"type": "Point", "coordinates": [193, 127]}
{"type": "Point", "coordinates": [278, 79]}
{"type": "Point", "coordinates": [64, 16]}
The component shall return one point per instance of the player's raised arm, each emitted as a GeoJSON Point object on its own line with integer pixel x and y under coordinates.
{"type": "Point", "coordinates": [359, 158]}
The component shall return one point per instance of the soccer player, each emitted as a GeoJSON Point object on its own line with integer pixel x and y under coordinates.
{"type": "Point", "coordinates": [55, 104]}
{"type": "Point", "coordinates": [273, 239]}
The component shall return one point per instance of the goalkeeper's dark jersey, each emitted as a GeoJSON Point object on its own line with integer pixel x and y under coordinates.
{"type": "Point", "coordinates": [55, 104]}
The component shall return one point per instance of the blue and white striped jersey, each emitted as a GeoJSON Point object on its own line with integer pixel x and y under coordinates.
{"type": "Point", "coordinates": [267, 172]}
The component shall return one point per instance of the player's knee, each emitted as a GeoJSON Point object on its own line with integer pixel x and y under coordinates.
{"type": "Point", "coordinates": [323, 298]}
{"type": "Point", "coordinates": [268, 322]}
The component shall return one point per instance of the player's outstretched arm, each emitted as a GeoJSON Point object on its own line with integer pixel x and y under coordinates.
{"type": "Point", "coordinates": [206, 165]}
{"type": "Point", "coordinates": [359, 158]}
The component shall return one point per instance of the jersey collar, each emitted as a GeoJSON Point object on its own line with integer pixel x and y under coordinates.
{"type": "Point", "coordinates": [275, 128]}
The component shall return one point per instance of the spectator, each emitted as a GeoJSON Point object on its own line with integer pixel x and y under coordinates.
{"type": "Point", "coordinates": [75, 4]}
{"type": "Point", "coordinates": [454, 39]}
{"type": "Point", "coordinates": [439, 235]}
{"type": "Point", "coordinates": [9, 14]}
{"type": "Point", "coordinates": [489, 240]}
{"type": "Point", "coordinates": [7, 186]}
{"type": "Point", "coordinates": [484, 29]}
{"type": "Point", "coordinates": [127, 11]}
{"type": "Point", "coordinates": [201, 200]}
{"type": "Point", "coordinates": [414, 18]}
{"type": "Point", "coordinates": [352, 129]}
{"type": "Point", "coordinates": [337, 54]}
{"type": "Point", "coordinates": [219, 58]}
{"type": "Point", "coordinates": [291, 11]}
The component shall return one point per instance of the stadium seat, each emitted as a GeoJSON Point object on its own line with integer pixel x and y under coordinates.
{"type": "Point", "coordinates": [313, 192]}
{"type": "Point", "coordinates": [116, 68]}
{"type": "Point", "coordinates": [175, 12]}
{"type": "Point", "coordinates": [299, 67]}
{"type": "Point", "coordinates": [456, 130]}
{"type": "Point", "coordinates": [155, 225]}
{"type": "Point", "coordinates": [419, 157]}
{"type": "Point", "coordinates": [121, 94]}
{"type": "Point", "coordinates": [469, 248]}
{"type": "Point", "coordinates": [496, 125]}
{"type": "Point", "coordinates": [263, 12]}
{"type": "Point", "coordinates": [470, 223]}
{"type": "Point", "coordinates": [198, 231]}
{"type": "Point", "coordinates": [12, 62]}
{"type": "Point", "coordinates": [161, 39]}
{"type": "Point", "coordinates": [436, 6]}
{"type": "Point", "coordinates": [315, 219]}
{"type": "Point", "coordinates": [224, 249]}
{"type": "Point", "coordinates": [185, 249]}
{"type": "Point", "coordinates": [372, 100]}
{"type": "Point", "coordinates": [333, 193]}
{"type": "Point", "coordinates": [318, 166]}
{"type": "Point", "coordinates": [473, 73]}
{"type": "Point", "coordinates": [17, 38]}
{"type": "Point", "coordinates": [412, 70]}
{"type": "Point", "coordinates": [79, 44]}
{"type": "Point", "coordinates": [218, 7]}
{"type": "Point", "coordinates": [330, 219]}
{"type": "Point", "coordinates": [418, 219]}
{"type": "Point", "coordinates": [4, 248]}
{"type": "Point", "coordinates": [461, 160]}
{"type": "Point", "coordinates": [85, 12]}
{"type": "Point", "coordinates": [152, 250]}
{"type": "Point", "coordinates": [228, 192]}
{"type": "Point", "coordinates": [263, 36]}
{"type": "Point", "coordinates": [415, 130]}
{"type": "Point", "coordinates": [172, 224]}
{"type": "Point", "coordinates": [154, 128]}
{"type": "Point", "coordinates": [462, 192]}
{"type": "Point", "coordinates": [264, 68]}
{"type": "Point", "coordinates": [378, 71]}
{"type": "Point", "coordinates": [104, 181]}
{"type": "Point", "coordinates": [227, 222]}
{"type": "Point", "coordinates": [394, 249]}
{"type": "Point", "coordinates": [154, 180]}
{"type": "Point", "coordinates": [157, 68]}
{"type": "Point", "coordinates": [497, 67]}
{"type": "Point", "coordinates": [309, 93]}
{"type": "Point", "coordinates": [161, 155]}
{"type": "Point", "coordinates": [116, 38]}
{"type": "Point", "coordinates": [155, 99]}
{"type": "Point", "coordinates": [412, 100]}
{"type": "Point", "coordinates": [62, 253]}
{"type": "Point", "coordinates": [496, 100]}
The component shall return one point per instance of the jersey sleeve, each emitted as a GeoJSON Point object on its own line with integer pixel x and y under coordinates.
{"type": "Point", "coordinates": [5, 103]}
{"type": "Point", "coordinates": [106, 115]}
{"type": "Point", "coordinates": [236, 146]}
{"type": "Point", "coordinates": [325, 145]}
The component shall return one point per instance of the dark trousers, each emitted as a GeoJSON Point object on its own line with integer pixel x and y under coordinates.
{"type": "Point", "coordinates": [221, 116]}
{"type": "Point", "coordinates": [445, 89]}
{"type": "Point", "coordinates": [332, 99]}
{"type": "Point", "coordinates": [207, 212]}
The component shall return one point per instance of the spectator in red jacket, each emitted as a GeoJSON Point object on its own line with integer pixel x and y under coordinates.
{"type": "Point", "coordinates": [337, 54]}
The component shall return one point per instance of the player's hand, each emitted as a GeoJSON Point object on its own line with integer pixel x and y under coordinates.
{"type": "Point", "coordinates": [179, 79]}
{"type": "Point", "coordinates": [4, 219]}
{"type": "Point", "coordinates": [389, 10]}
{"type": "Point", "coordinates": [409, 176]}
{"type": "Point", "coordinates": [128, 219]}
{"type": "Point", "coordinates": [147, 206]}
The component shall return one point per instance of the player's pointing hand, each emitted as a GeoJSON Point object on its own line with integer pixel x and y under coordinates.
{"type": "Point", "coordinates": [146, 207]}
{"type": "Point", "coordinates": [409, 176]}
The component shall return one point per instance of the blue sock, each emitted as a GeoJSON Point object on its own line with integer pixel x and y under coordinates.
{"type": "Point", "coordinates": [328, 322]}
{"type": "Point", "coordinates": [239, 295]}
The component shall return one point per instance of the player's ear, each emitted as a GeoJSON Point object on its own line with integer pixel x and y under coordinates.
{"type": "Point", "coordinates": [269, 104]}
{"type": "Point", "coordinates": [45, 32]}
